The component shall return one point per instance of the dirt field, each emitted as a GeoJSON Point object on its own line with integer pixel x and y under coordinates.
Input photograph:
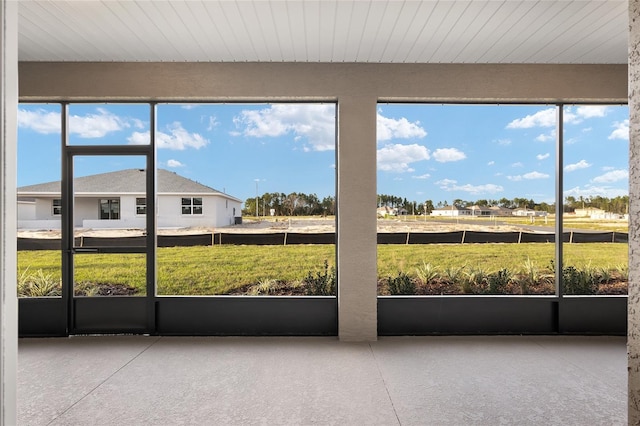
{"type": "Point", "coordinates": [307, 225]}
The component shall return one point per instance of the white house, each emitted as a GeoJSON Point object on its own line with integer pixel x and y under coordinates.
{"type": "Point", "coordinates": [529, 212]}
{"type": "Point", "coordinates": [117, 200]}
{"type": "Point", "coordinates": [451, 211]}
{"type": "Point", "coordinates": [391, 211]}
{"type": "Point", "coordinates": [480, 211]}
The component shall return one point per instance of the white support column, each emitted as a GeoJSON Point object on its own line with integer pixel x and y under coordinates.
{"type": "Point", "coordinates": [357, 251]}
{"type": "Point", "coordinates": [8, 162]}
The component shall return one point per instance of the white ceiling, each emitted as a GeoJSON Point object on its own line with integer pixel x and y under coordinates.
{"type": "Point", "coordinates": [391, 31]}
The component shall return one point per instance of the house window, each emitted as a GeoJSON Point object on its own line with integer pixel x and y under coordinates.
{"type": "Point", "coordinates": [191, 205]}
{"type": "Point", "coordinates": [110, 209]}
{"type": "Point", "coordinates": [56, 207]}
{"type": "Point", "coordinates": [141, 206]}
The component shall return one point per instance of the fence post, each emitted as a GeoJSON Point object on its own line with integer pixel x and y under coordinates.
{"type": "Point", "coordinates": [571, 237]}
{"type": "Point", "coordinates": [407, 240]}
{"type": "Point", "coordinates": [464, 232]}
{"type": "Point", "coordinates": [285, 237]}
{"type": "Point", "coordinates": [519, 237]}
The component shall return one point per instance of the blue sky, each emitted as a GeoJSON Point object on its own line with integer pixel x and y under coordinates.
{"type": "Point", "coordinates": [437, 152]}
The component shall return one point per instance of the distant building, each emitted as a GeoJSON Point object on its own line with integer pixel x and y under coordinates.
{"type": "Point", "coordinates": [480, 211]}
{"type": "Point", "coordinates": [589, 212]}
{"type": "Point", "coordinates": [529, 213]}
{"type": "Point", "coordinates": [594, 213]}
{"type": "Point", "coordinates": [500, 211]}
{"type": "Point", "coordinates": [117, 200]}
{"type": "Point", "coordinates": [390, 211]}
{"type": "Point", "coordinates": [451, 211]}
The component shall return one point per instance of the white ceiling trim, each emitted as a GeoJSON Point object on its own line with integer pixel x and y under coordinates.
{"type": "Point", "coordinates": [371, 31]}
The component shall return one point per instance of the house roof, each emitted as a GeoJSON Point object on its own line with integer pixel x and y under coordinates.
{"type": "Point", "coordinates": [125, 181]}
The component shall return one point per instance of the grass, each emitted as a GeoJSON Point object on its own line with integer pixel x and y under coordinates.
{"type": "Point", "coordinates": [223, 269]}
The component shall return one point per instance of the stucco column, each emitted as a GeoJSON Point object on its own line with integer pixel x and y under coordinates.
{"type": "Point", "coordinates": [8, 163]}
{"type": "Point", "coordinates": [357, 264]}
{"type": "Point", "coordinates": [633, 340]}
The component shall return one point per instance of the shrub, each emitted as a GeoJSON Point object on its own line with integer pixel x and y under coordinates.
{"type": "Point", "coordinates": [321, 283]}
{"type": "Point", "coordinates": [38, 284]}
{"type": "Point", "coordinates": [427, 272]}
{"type": "Point", "coordinates": [498, 282]}
{"type": "Point", "coordinates": [474, 281]}
{"type": "Point", "coordinates": [623, 270]}
{"type": "Point", "coordinates": [575, 281]}
{"type": "Point", "coordinates": [452, 274]}
{"type": "Point", "coordinates": [265, 286]}
{"type": "Point", "coordinates": [402, 284]}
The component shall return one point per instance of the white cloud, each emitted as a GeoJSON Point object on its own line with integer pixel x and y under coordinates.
{"type": "Point", "coordinates": [607, 168]}
{"type": "Point", "coordinates": [590, 111]}
{"type": "Point", "coordinates": [528, 176]}
{"type": "Point", "coordinates": [213, 123]}
{"type": "Point", "coordinates": [535, 175]}
{"type": "Point", "coordinates": [40, 121]}
{"type": "Point", "coordinates": [174, 163]}
{"type": "Point", "coordinates": [446, 182]}
{"type": "Point", "coordinates": [543, 156]}
{"type": "Point", "coordinates": [546, 137]}
{"type": "Point", "coordinates": [590, 190]}
{"type": "Point", "coordinates": [547, 118]}
{"type": "Point", "coordinates": [177, 138]}
{"type": "Point", "coordinates": [315, 123]}
{"type": "Point", "coordinates": [611, 176]}
{"type": "Point", "coordinates": [138, 124]}
{"type": "Point", "coordinates": [621, 131]}
{"type": "Point", "coordinates": [139, 138]}
{"type": "Point", "coordinates": [491, 163]}
{"type": "Point", "coordinates": [424, 176]}
{"type": "Point", "coordinates": [452, 185]}
{"type": "Point", "coordinates": [445, 155]}
{"type": "Point", "coordinates": [582, 164]}
{"type": "Point", "coordinates": [503, 142]}
{"type": "Point", "coordinates": [88, 126]}
{"type": "Point", "coordinates": [96, 125]}
{"type": "Point", "coordinates": [544, 118]}
{"type": "Point", "coordinates": [397, 158]}
{"type": "Point", "coordinates": [391, 128]}
{"type": "Point", "coordinates": [517, 164]}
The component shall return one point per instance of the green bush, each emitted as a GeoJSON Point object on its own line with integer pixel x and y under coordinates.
{"type": "Point", "coordinates": [402, 284]}
{"type": "Point", "coordinates": [38, 284]}
{"type": "Point", "coordinates": [575, 281]}
{"type": "Point", "coordinates": [321, 283]}
{"type": "Point", "coordinates": [497, 282]}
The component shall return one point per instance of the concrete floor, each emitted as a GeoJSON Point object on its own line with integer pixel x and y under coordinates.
{"type": "Point", "coordinates": [502, 380]}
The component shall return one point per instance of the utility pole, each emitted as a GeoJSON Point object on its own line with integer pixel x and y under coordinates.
{"type": "Point", "coordinates": [257, 180]}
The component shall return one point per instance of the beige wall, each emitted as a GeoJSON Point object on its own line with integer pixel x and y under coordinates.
{"type": "Point", "coordinates": [356, 88]}
{"type": "Point", "coordinates": [290, 81]}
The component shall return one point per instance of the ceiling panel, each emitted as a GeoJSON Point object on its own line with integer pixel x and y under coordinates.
{"type": "Point", "coordinates": [429, 31]}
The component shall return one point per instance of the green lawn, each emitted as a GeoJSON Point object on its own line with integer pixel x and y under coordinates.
{"type": "Point", "coordinates": [220, 269]}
